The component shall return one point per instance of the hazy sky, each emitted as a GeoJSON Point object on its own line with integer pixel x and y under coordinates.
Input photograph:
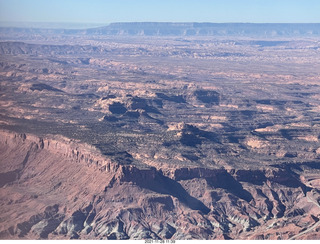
{"type": "Point", "coordinates": [106, 11]}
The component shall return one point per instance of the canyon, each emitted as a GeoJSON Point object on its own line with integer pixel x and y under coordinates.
{"type": "Point", "coordinates": [114, 133]}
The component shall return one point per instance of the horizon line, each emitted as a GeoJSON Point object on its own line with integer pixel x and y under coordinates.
{"type": "Point", "coordinates": [86, 25]}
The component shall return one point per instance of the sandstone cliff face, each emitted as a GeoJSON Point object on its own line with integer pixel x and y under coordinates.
{"type": "Point", "coordinates": [58, 188]}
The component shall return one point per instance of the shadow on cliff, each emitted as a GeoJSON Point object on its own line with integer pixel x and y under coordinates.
{"type": "Point", "coordinates": [11, 176]}
{"type": "Point", "coordinates": [164, 185]}
{"type": "Point", "coordinates": [227, 182]}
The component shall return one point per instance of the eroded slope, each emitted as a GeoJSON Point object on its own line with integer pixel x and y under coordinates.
{"type": "Point", "coordinates": [60, 189]}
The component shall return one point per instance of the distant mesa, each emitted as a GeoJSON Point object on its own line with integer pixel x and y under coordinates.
{"type": "Point", "coordinates": [184, 29]}
{"type": "Point", "coordinates": [205, 29]}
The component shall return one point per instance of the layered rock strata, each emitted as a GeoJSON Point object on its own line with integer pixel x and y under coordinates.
{"type": "Point", "coordinates": [58, 188]}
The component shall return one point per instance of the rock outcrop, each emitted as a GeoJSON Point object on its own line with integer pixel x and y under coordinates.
{"type": "Point", "coordinates": [58, 188]}
{"type": "Point", "coordinates": [158, 131]}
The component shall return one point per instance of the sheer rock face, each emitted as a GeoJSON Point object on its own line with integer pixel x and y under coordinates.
{"type": "Point", "coordinates": [58, 188]}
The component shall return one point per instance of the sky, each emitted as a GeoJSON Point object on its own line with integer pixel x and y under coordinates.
{"type": "Point", "coordinates": [107, 11]}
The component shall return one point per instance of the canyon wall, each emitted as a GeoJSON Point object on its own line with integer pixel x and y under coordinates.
{"type": "Point", "coordinates": [58, 188]}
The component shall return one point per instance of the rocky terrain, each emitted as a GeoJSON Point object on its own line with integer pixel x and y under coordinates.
{"type": "Point", "coordinates": [159, 137]}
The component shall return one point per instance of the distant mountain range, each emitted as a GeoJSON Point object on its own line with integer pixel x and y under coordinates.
{"type": "Point", "coordinates": [183, 29]}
